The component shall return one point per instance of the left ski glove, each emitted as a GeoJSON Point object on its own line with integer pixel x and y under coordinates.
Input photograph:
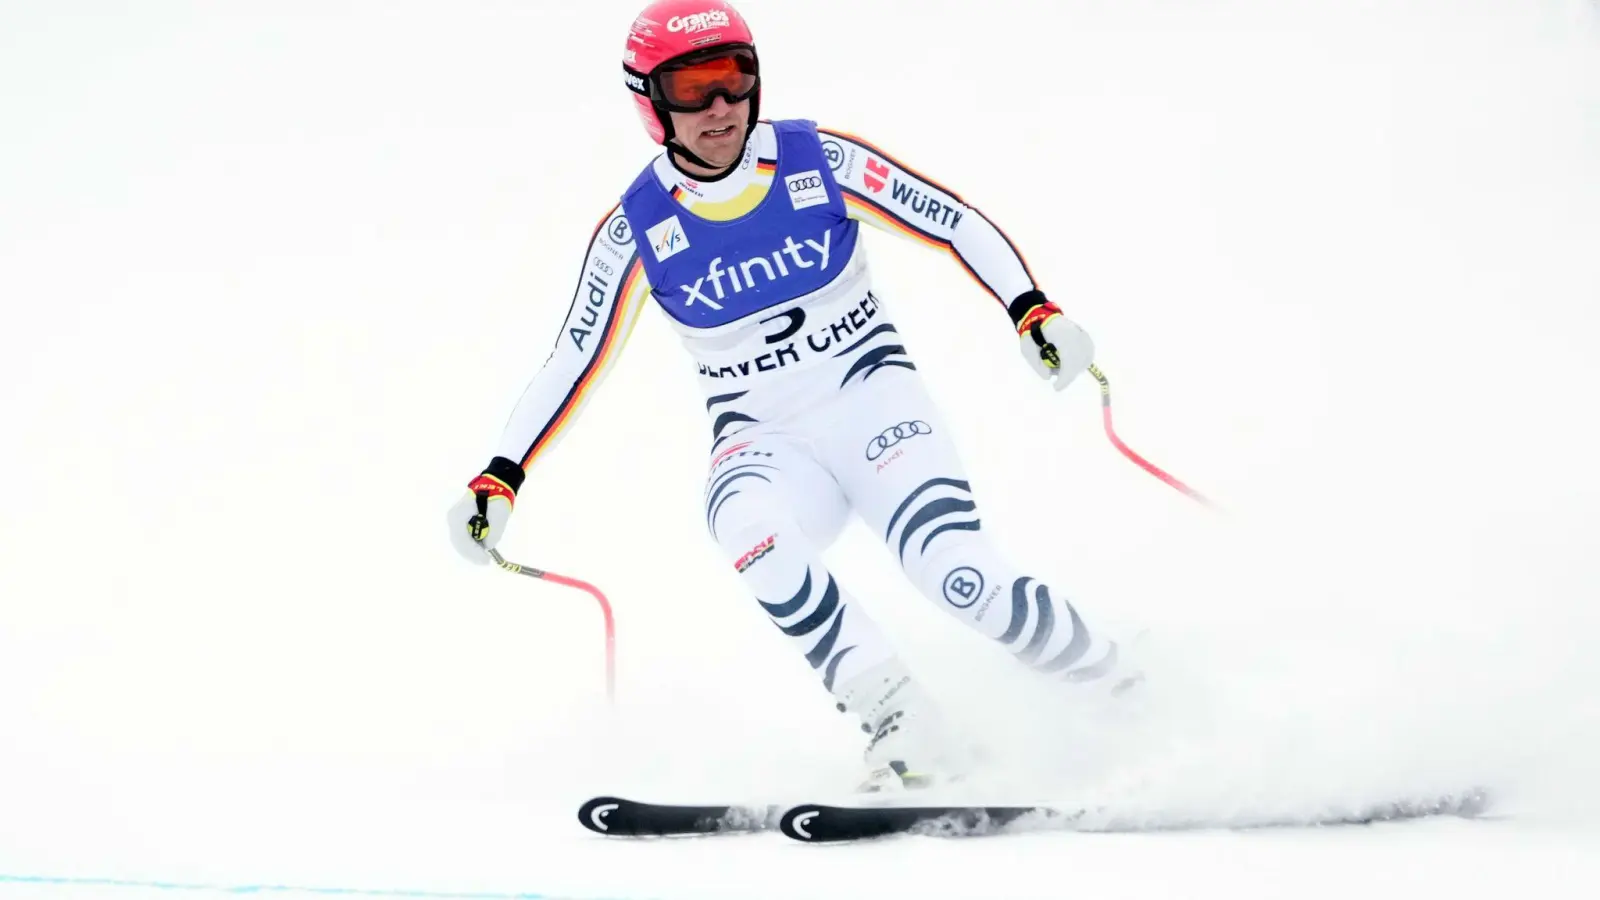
{"type": "Point", "coordinates": [1054, 345]}
{"type": "Point", "coordinates": [479, 518]}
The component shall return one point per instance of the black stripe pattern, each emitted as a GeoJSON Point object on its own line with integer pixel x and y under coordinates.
{"type": "Point", "coordinates": [721, 488]}
{"type": "Point", "coordinates": [937, 506]}
{"type": "Point", "coordinates": [880, 349]}
{"type": "Point", "coordinates": [1028, 593]}
{"type": "Point", "coordinates": [826, 615]}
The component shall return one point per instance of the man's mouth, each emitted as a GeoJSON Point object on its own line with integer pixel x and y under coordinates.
{"type": "Point", "coordinates": [724, 131]}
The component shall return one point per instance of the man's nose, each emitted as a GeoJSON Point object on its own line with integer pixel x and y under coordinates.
{"type": "Point", "coordinates": [719, 105]}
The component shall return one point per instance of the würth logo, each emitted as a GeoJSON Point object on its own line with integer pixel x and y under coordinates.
{"type": "Point", "coordinates": [877, 175]}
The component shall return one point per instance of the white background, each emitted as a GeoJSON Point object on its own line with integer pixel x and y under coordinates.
{"type": "Point", "coordinates": [273, 274]}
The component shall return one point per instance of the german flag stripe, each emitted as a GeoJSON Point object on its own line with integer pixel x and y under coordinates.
{"type": "Point", "coordinates": [873, 148]}
{"type": "Point", "coordinates": [611, 341]}
{"type": "Point", "coordinates": [1009, 243]}
{"type": "Point", "coordinates": [889, 222]}
{"type": "Point", "coordinates": [857, 200]}
{"type": "Point", "coordinates": [766, 166]}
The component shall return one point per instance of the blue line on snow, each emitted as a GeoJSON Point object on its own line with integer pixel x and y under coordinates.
{"type": "Point", "coordinates": [263, 888]}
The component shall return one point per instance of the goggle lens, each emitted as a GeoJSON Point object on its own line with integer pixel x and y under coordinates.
{"type": "Point", "coordinates": [692, 87]}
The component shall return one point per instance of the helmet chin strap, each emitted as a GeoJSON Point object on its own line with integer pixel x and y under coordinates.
{"type": "Point", "coordinates": [676, 149]}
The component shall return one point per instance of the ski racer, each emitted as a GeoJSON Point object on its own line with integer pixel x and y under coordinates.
{"type": "Point", "coordinates": [745, 233]}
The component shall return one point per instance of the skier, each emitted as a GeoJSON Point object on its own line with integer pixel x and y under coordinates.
{"type": "Point", "coordinates": [745, 233]}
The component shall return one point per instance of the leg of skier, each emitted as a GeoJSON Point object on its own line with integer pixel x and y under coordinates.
{"type": "Point", "coordinates": [888, 447]}
{"type": "Point", "coordinates": [773, 509]}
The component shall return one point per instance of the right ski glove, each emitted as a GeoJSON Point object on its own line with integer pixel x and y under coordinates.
{"type": "Point", "coordinates": [479, 518]}
{"type": "Point", "coordinates": [1055, 346]}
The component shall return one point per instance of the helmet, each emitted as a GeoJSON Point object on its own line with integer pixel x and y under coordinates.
{"type": "Point", "coordinates": [676, 31]}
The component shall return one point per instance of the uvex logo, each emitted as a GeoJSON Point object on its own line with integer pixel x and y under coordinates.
{"type": "Point", "coordinates": [634, 82]}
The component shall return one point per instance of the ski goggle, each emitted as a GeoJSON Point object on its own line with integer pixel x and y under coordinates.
{"type": "Point", "coordinates": [692, 84]}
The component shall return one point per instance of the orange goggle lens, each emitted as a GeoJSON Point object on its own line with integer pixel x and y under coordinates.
{"type": "Point", "coordinates": [692, 87]}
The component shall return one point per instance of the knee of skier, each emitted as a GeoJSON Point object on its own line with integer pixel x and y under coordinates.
{"type": "Point", "coordinates": [957, 573]}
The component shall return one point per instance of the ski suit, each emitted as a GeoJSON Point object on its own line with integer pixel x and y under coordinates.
{"type": "Point", "coordinates": [815, 405]}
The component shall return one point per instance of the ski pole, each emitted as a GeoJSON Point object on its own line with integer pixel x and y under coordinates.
{"type": "Point", "coordinates": [1141, 462]}
{"type": "Point", "coordinates": [564, 581]}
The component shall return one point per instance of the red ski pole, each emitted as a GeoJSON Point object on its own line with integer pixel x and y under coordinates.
{"type": "Point", "coordinates": [1141, 462]}
{"type": "Point", "coordinates": [564, 581]}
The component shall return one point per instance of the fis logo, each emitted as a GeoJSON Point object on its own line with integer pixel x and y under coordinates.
{"type": "Point", "coordinates": [742, 276]}
{"type": "Point", "coordinates": [714, 18]}
{"type": "Point", "coordinates": [806, 189]}
{"type": "Point", "coordinates": [667, 238]}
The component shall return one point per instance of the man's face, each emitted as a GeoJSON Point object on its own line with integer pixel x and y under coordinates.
{"type": "Point", "coordinates": [715, 134]}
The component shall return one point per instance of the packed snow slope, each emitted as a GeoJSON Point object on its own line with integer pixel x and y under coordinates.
{"type": "Point", "coordinates": [273, 275]}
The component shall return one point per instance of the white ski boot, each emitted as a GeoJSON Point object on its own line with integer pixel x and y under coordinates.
{"type": "Point", "coordinates": [910, 746]}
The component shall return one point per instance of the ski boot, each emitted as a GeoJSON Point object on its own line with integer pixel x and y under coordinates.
{"type": "Point", "coordinates": [909, 748]}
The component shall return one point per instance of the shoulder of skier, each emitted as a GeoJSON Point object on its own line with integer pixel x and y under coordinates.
{"type": "Point", "coordinates": [887, 194]}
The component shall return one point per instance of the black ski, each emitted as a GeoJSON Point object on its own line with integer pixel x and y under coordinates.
{"type": "Point", "coordinates": [818, 823]}
{"type": "Point", "coordinates": [617, 817]}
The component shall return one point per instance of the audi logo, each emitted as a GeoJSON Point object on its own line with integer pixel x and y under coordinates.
{"type": "Point", "coordinates": [896, 434]}
{"type": "Point", "coordinates": [805, 184]}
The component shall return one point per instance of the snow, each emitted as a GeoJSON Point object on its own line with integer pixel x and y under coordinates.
{"type": "Point", "coordinates": [273, 275]}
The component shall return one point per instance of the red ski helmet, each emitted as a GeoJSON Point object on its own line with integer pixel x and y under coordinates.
{"type": "Point", "coordinates": [672, 34]}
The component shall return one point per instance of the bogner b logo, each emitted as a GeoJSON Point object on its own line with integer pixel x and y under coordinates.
{"type": "Point", "coordinates": [806, 189]}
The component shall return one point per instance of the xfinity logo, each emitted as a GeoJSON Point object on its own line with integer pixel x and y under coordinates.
{"type": "Point", "coordinates": [805, 189]}
{"type": "Point", "coordinates": [742, 276]}
{"type": "Point", "coordinates": [667, 238]}
{"type": "Point", "coordinates": [715, 18]}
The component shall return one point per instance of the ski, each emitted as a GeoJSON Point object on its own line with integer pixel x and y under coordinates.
{"type": "Point", "coordinates": [619, 817]}
{"type": "Point", "coordinates": [820, 823]}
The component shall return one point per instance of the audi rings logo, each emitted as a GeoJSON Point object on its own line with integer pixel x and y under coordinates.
{"type": "Point", "coordinates": [811, 182]}
{"type": "Point", "coordinates": [891, 436]}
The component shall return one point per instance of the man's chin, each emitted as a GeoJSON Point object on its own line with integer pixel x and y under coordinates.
{"type": "Point", "coordinates": [724, 151]}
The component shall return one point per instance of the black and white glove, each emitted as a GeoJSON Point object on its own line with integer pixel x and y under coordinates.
{"type": "Point", "coordinates": [1056, 347]}
{"type": "Point", "coordinates": [479, 518]}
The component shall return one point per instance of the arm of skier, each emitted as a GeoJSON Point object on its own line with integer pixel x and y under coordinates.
{"type": "Point", "coordinates": [605, 305]}
{"type": "Point", "coordinates": [883, 192]}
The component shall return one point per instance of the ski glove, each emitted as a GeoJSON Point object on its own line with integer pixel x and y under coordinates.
{"type": "Point", "coordinates": [479, 518]}
{"type": "Point", "coordinates": [1054, 345]}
